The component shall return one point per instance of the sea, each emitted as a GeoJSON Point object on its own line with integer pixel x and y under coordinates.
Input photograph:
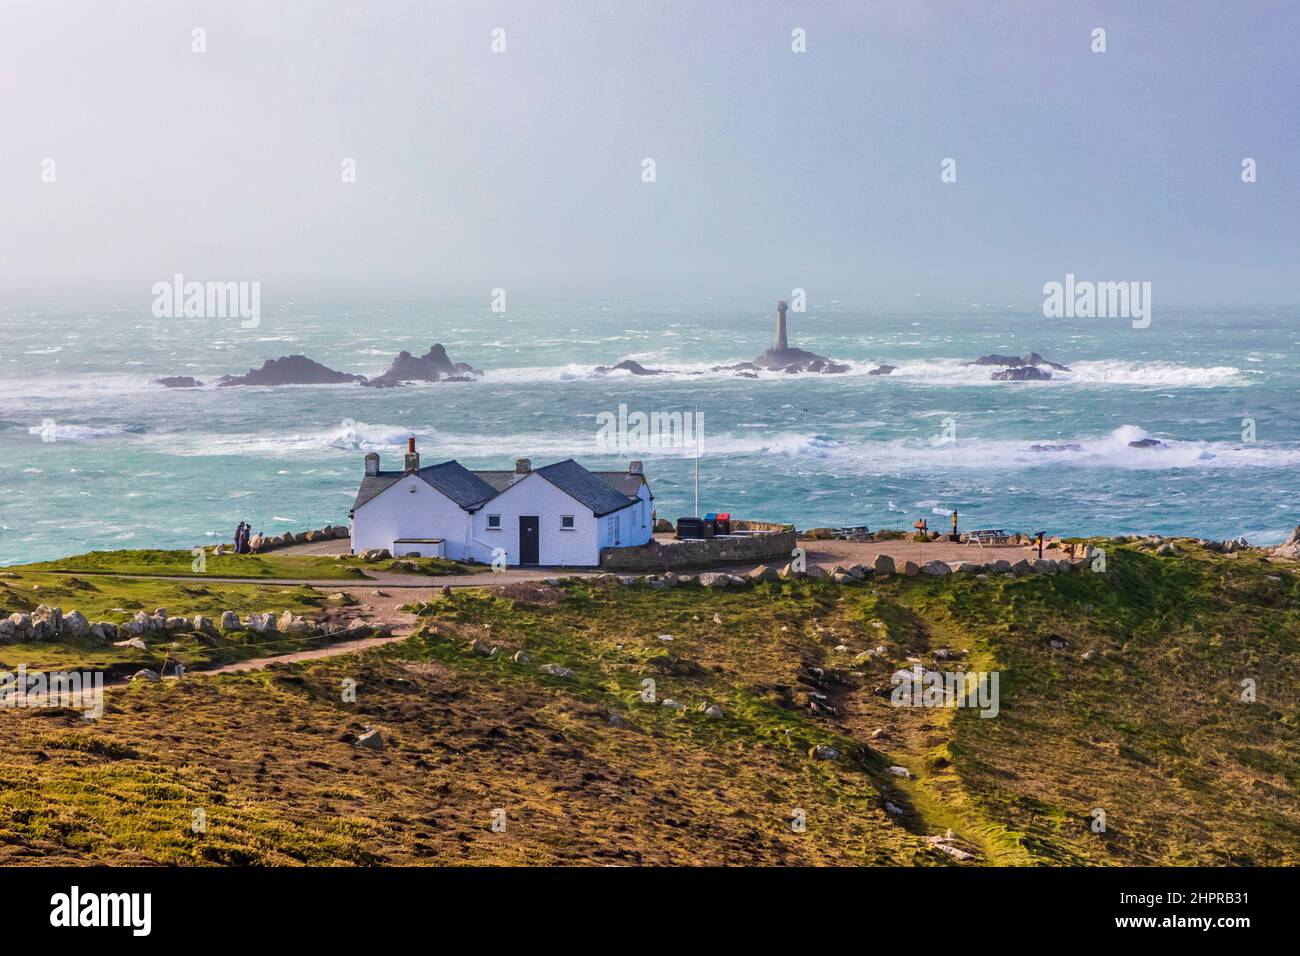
{"type": "Point", "coordinates": [94, 455]}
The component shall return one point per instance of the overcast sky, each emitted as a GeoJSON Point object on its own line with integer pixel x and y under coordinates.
{"type": "Point", "coordinates": [774, 168]}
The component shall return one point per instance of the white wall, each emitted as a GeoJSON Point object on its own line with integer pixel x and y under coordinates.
{"type": "Point", "coordinates": [427, 513]}
{"type": "Point", "coordinates": [396, 512]}
{"type": "Point", "coordinates": [535, 495]}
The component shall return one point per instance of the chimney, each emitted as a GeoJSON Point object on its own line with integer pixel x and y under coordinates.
{"type": "Point", "coordinates": [372, 464]}
{"type": "Point", "coordinates": [781, 344]}
{"type": "Point", "coordinates": [412, 456]}
{"type": "Point", "coordinates": [523, 466]}
{"type": "Point", "coordinates": [634, 468]}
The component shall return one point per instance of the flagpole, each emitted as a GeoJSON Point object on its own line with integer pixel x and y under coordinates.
{"type": "Point", "coordinates": [697, 461]}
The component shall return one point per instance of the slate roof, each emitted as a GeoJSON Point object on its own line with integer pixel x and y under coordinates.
{"type": "Point", "coordinates": [450, 477]}
{"type": "Point", "coordinates": [585, 487]}
{"type": "Point", "coordinates": [623, 481]}
{"type": "Point", "coordinates": [500, 480]}
{"type": "Point", "coordinates": [601, 491]}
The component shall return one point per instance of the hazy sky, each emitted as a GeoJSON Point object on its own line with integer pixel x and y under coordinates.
{"type": "Point", "coordinates": [774, 169]}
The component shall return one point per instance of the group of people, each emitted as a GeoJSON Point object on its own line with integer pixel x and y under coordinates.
{"type": "Point", "coordinates": [243, 533]}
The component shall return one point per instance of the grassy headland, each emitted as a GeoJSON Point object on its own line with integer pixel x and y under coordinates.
{"type": "Point", "coordinates": [294, 567]}
{"type": "Point", "coordinates": [1119, 692]}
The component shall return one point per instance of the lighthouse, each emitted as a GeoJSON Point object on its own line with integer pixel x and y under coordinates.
{"type": "Point", "coordinates": [781, 343]}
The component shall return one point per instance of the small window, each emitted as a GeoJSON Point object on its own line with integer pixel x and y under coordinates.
{"type": "Point", "coordinates": [494, 522]}
{"type": "Point", "coordinates": [566, 522]}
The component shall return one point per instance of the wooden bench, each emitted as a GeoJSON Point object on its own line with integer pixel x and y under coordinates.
{"type": "Point", "coordinates": [987, 536]}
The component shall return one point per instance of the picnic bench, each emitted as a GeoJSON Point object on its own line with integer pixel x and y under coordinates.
{"type": "Point", "coordinates": [987, 536]}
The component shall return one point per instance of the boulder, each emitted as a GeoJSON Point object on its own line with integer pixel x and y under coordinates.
{"type": "Point", "coordinates": [1021, 567]}
{"type": "Point", "coordinates": [1000, 566]}
{"type": "Point", "coordinates": [104, 631]}
{"type": "Point", "coordinates": [1025, 373]}
{"type": "Point", "coordinates": [858, 572]}
{"type": "Point", "coordinates": [911, 568]}
{"type": "Point", "coordinates": [883, 369]}
{"type": "Point", "coordinates": [376, 554]}
{"type": "Point", "coordinates": [261, 623]}
{"type": "Point", "coordinates": [764, 572]}
{"type": "Point", "coordinates": [146, 674]}
{"type": "Point", "coordinates": [178, 381]}
{"type": "Point", "coordinates": [371, 740]}
{"type": "Point", "coordinates": [1044, 566]}
{"type": "Point", "coordinates": [177, 624]}
{"type": "Point", "coordinates": [135, 642]}
{"type": "Point", "coordinates": [824, 752]}
{"type": "Point", "coordinates": [883, 565]}
{"type": "Point", "coordinates": [937, 568]}
{"type": "Point", "coordinates": [9, 633]}
{"type": "Point", "coordinates": [230, 621]}
{"type": "Point", "coordinates": [817, 571]}
{"type": "Point", "coordinates": [76, 625]}
{"type": "Point", "coordinates": [51, 618]}
{"type": "Point", "coordinates": [556, 670]}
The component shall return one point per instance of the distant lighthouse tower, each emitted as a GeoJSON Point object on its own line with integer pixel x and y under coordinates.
{"type": "Point", "coordinates": [781, 343]}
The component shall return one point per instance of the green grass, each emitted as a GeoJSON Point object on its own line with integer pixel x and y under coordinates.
{"type": "Point", "coordinates": [430, 566]}
{"type": "Point", "coordinates": [1151, 729]}
{"type": "Point", "coordinates": [117, 599]}
{"type": "Point", "coordinates": [300, 567]}
{"type": "Point", "coordinates": [293, 567]}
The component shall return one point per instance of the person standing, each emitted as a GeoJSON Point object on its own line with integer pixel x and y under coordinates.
{"type": "Point", "coordinates": [239, 538]}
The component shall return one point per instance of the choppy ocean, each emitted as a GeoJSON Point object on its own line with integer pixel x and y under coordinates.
{"type": "Point", "coordinates": [94, 456]}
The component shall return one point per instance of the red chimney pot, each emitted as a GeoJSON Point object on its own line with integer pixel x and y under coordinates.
{"type": "Point", "coordinates": [410, 445]}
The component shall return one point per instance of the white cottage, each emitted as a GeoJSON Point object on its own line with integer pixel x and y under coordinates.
{"type": "Point", "coordinates": [559, 515]}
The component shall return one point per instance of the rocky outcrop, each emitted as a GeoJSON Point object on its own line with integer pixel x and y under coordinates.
{"type": "Point", "coordinates": [628, 365]}
{"type": "Point", "coordinates": [178, 381]}
{"type": "Point", "coordinates": [432, 366]}
{"type": "Point", "coordinates": [290, 370]}
{"type": "Point", "coordinates": [1147, 443]}
{"type": "Point", "coordinates": [883, 370]}
{"type": "Point", "coordinates": [1022, 373]}
{"type": "Point", "coordinates": [797, 360]}
{"type": "Point", "coordinates": [1016, 361]}
{"type": "Point", "coordinates": [1290, 548]}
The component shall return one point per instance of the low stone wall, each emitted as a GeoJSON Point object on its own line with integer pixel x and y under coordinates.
{"type": "Point", "coordinates": [703, 552]}
{"type": "Point", "coordinates": [259, 544]}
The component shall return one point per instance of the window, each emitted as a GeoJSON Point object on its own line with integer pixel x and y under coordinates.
{"type": "Point", "coordinates": [494, 522]}
{"type": "Point", "coordinates": [566, 522]}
